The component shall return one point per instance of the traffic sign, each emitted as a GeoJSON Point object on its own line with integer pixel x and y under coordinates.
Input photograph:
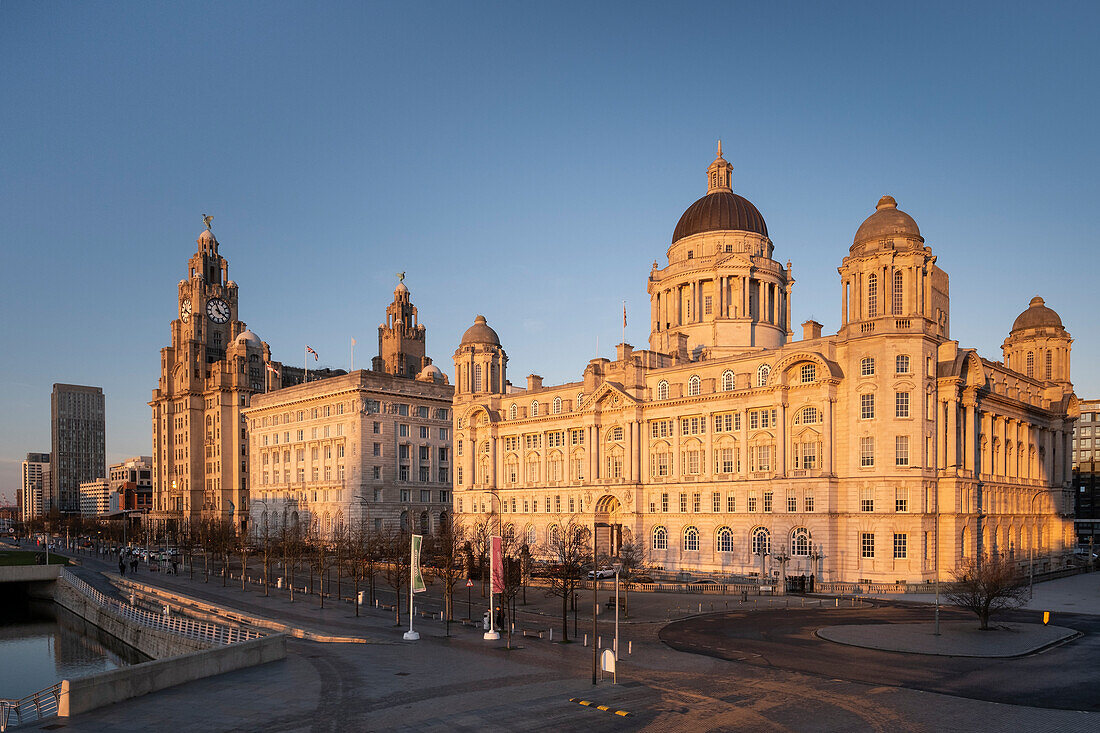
{"type": "Point", "coordinates": [469, 583]}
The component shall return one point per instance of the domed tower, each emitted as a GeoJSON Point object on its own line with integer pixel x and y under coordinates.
{"type": "Point", "coordinates": [1038, 345]}
{"type": "Point", "coordinates": [480, 362]}
{"type": "Point", "coordinates": [401, 339]}
{"type": "Point", "coordinates": [721, 291]}
{"type": "Point", "coordinates": [890, 279]}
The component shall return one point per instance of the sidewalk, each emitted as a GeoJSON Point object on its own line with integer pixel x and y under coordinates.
{"type": "Point", "coordinates": [956, 639]}
{"type": "Point", "coordinates": [1074, 594]}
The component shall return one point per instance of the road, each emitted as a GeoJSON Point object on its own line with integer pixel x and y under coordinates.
{"type": "Point", "coordinates": [1065, 677]}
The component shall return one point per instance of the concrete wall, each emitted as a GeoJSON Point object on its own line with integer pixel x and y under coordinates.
{"type": "Point", "coordinates": [28, 573]}
{"type": "Point", "coordinates": [155, 643]}
{"type": "Point", "coordinates": [87, 693]}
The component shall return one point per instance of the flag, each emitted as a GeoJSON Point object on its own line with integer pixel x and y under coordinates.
{"type": "Point", "coordinates": [417, 580]}
{"type": "Point", "coordinates": [624, 314]}
{"type": "Point", "coordinates": [311, 351]}
{"type": "Point", "coordinates": [353, 342]}
{"type": "Point", "coordinates": [496, 564]}
{"type": "Point", "coordinates": [272, 369]}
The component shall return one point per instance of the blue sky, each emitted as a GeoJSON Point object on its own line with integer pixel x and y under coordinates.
{"type": "Point", "coordinates": [526, 162]}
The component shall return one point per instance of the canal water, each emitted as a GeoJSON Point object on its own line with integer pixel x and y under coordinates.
{"type": "Point", "coordinates": [42, 643]}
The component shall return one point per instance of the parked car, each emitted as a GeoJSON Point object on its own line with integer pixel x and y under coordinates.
{"type": "Point", "coordinates": [601, 573]}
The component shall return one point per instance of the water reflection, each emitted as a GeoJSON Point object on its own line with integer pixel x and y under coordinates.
{"type": "Point", "coordinates": [42, 643]}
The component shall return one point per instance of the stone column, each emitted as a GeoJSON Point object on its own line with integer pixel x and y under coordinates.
{"type": "Point", "coordinates": [744, 441]}
{"type": "Point", "coordinates": [827, 443]}
{"type": "Point", "coordinates": [942, 431]}
{"type": "Point", "coordinates": [708, 459]}
{"type": "Point", "coordinates": [781, 436]}
{"type": "Point", "coordinates": [969, 433]}
{"type": "Point", "coordinates": [630, 470]}
{"type": "Point", "coordinates": [845, 286]}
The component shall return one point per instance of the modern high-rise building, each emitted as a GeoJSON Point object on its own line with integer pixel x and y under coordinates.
{"type": "Point", "coordinates": [95, 497]}
{"type": "Point", "coordinates": [35, 491]}
{"type": "Point", "coordinates": [371, 446]}
{"type": "Point", "coordinates": [1086, 474]}
{"type": "Point", "coordinates": [885, 452]}
{"type": "Point", "coordinates": [79, 443]}
{"type": "Point", "coordinates": [208, 373]}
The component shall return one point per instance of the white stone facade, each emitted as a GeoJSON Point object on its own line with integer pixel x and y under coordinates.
{"type": "Point", "coordinates": [873, 454]}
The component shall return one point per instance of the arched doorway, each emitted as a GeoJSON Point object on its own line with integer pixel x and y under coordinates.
{"type": "Point", "coordinates": [608, 526]}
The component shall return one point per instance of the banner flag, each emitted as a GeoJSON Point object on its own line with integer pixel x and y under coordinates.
{"type": "Point", "coordinates": [417, 580]}
{"type": "Point", "coordinates": [311, 351]}
{"type": "Point", "coordinates": [496, 563]}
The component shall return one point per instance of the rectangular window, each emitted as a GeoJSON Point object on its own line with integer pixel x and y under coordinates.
{"type": "Point", "coordinates": [402, 473]}
{"type": "Point", "coordinates": [715, 502]}
{"type": "Point", "coordinates": [403, 431]}
{"type": "Point", "coordinates": [808, 501]}
{"type": "Point", "coordinates": [901, 550]}
{"type": "Point", "coordinates": [901, 450]}
{"type": "Point", "coordinates": [576, 436]}
{"type": "Point", "coordinates": [752, 501]}
{"type": "Point", "coordinates": [901, 500]}
{"type": "Point", "coordinates": [555, 440]}
{"type": "Point", "coordinates": [458, 475]}
{"type": "Point", "coordinates": [901, 364]}
{"type": "Point", "coordinates": [693, 425]}
{"type": "Point", "coordinates": [866, 452]}
{"type": "Point", "coordinates": [664, 502]}
{"type": "Point", "coordinates": [724, 423]}
{"type": "Point", "coordinates": [377, 472]}
{"type": "Point", "coordinates": [792, 503]}
{"type": "Point", "coordinates": [425, 474]}
{"type": "Point", "coordinates": [405, 495]}
{"type": "Point", "coordinates": [422, 411]}
{"type": "Point", "coordinates": [425, 432]}
{"type": "Point", "coordinates": [731, 503]}
{"type": "Point", "coordinates": [707, 304]}
{"type": "Point", "coordinates": [867, 367]}
{"type": "Point", "coordinates": [402, 410]}
{"type": "Point", "coordinates": [867, 407]}
{"type": "Point", "coordinates": [867, 544]}
{"type": "Point", "coordinates": [695, 502]}
{"type": "Point", "coordinates": [683, 503]}
{"type": "Point", "coordinates": [867, 500]}
{"type": "Point", "coordinates": [443, 476]}
{"type": "Point", "coordinates": [768, 501]}
{"type": "Point", "coordinates": [901, 404]}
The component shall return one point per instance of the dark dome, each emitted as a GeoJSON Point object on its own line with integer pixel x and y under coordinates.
{"type": "Point", "coordinates": [480, 333]}
{"type": "Point", "coordinates": [717, 212]}
{"type": "Point", "coordinates": [1037, 315]}
{"type": "Point", "coordinates": [887, 220]}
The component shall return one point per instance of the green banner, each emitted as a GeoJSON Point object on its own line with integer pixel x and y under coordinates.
{"type": "Point", "coordinates": [417, 579]}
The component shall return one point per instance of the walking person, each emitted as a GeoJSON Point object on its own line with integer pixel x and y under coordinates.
{"type": "Point", "coordinates": [121, 566]}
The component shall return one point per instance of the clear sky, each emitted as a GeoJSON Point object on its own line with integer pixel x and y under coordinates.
{"type": "Point", "coordinates": [525, 161]}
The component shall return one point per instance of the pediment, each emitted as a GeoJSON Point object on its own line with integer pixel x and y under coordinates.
{"type": "Point", "coordinates": [609, 395]}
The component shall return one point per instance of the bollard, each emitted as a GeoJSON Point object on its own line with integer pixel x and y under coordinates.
{"type": "Point", "coordinates": [630, 647]}
{"type": "Point", "coordinates": [700, 608]}
{"type": "Point", "coordinates": [838, 603]}
{"type": "Point", "coordinates": [551, 633]}
{"type": "Point", "coordinates": [803, 602]}
{"type": "Point", "coordinates": [586, 639]}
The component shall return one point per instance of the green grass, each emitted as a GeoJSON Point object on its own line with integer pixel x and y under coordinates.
{"type": "Point", "coordinates": [24, 557]}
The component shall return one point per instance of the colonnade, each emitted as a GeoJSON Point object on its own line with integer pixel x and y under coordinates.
{"type": "Point", "coordinates": [733, 296]}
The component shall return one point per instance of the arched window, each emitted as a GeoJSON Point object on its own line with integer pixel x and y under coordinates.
{"type": "Point", "coordinates": [725, 540]}
{"type": "Point", "coordinates": [662, 390]}
{"type": "Point", "coordinates": [580, 399]}
{"type": "Point", "coordinates": [660, 538]}
{"type": "Point", "coordinates": [691, 540]}
{"type": "Point", "coordinates": [557, 406]}
{"type": "Point", "coordinates": [512, 412]}
{"type": "Point", "coordinates": [898, 294]}
{"type": "Point", "coordinates": [615, 434]}
{"type": "Point", "coordinates": [535, 408]}
{"type": "Point", "coordinates": [694, 386]}
{"type": "Point", "coordinates": [806, 416]}
{"type": "Point", "coordinates": [554, 535]}
{"type": "Point", "coordinates": [424, 526]}
{"type": "Point", "coordinates": [529, 535]}
{"type": "Point", "coordinates": [1031, 364]}
{"type": "Point", "coordinates": [443, 519]}
{"type": "Point", "coordinates": [761, 541]}
{"type": "Point", "coordinates": [509, 532]}
{"type": "Point", "coordinates": [800, 542]}
{"type": "Point", "coordinates": [405, 521]}
{"type": "Point", "coordinates": [727, 381]}
{"type": "Point", "coordinates": [1048, 367]}
{"type": "Point", "coordinates": [477, 377]}
{"type": "Point", "coordinates": [872, 295]}
{"type": "Point", "coordinates": [762, 375]}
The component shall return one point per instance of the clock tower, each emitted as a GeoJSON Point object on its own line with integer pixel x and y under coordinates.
{"type": "Point", "coordinates": [208, 373]}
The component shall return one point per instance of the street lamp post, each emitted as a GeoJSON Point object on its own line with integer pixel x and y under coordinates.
{"type": "Point", "coordinates": [1031, 560]}
{"type": "Point", "coordinates": [492, 634]}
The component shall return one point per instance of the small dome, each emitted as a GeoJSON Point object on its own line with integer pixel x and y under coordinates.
{"type": "Point", "coordinates": [248, 338]}
{"type": "Point", "coordinates": [400, 289]}
{"type": "Point", "coordinates": [231, 284]}
{"type": "Point", "coordinates": [720, 211]}
{"type": "Point", "coordinates": [480, 333]}
{"type": "Point", "coordinates": [431, 373]}
{"type": "Point", "coordinates": [206, 236]}
{"type": "Point", "coordinates": [888, 220]}
{"type": "Point", "coordinates": [1037, 315]}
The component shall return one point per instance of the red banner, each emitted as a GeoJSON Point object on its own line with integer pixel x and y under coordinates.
{"type": "Point", "coordinates": [496, 564]}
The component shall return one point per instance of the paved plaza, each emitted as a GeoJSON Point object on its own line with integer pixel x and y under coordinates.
{"type": "Point", "coordinates": [465, 683]}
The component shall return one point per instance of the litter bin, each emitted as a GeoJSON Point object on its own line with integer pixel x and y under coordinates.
{"type": "Point", "coordinates": [279, 583]}
{"type": "Point", "coordinates": [360, 597]}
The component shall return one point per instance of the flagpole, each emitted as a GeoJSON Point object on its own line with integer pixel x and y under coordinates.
{"type": "Point", "coordinates": [305, 365]}
{"type": "Point", "coordinates": [492, 634]}
{"type": "Point", "coordinates": [353, 355]}
{"type": "Point", "coordinates": [624, 321]}
{"type": "Point", "coordinates": [414, 566]}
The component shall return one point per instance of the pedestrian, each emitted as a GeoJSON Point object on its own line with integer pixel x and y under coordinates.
{"type": "Point", "coordinates": [121, 566]}
{"type": "Point", "coordinates": [175, 567]}
{"type": "Point", "coordinates": [133, 565]}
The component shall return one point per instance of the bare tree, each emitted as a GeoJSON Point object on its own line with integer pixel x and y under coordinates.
{"type": "Point", "coordinates": [478, 541]}
{"type": "Point", "coordinates": [397, 554]}
{"type": "Point", "coordinates": [567, 551]}
{"type": "Point", "coordinates": [986, 587]}
{"type": "Point", "coordinates": [290, 543]}
{"type": "Point", "coordinates": [244, 550]}
{"type": "Point", "coordinates": [321, 558]}
{"type": "Point", "coordinates": [267, 547]}
{"type": "Point", "coordinates": [632, 558]}
{"type": "Point", "coordinates": [356, 548]}
{"type": "Point", "coordinates": [446, 563]}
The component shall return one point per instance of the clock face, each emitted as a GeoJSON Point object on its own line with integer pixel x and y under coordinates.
{"type": "Point", "coordinates": [217, 310]}
{"type": "Point", "coordinates": [185, 310]}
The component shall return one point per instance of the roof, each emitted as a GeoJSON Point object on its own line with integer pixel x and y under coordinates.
{"type": "Point", "coordinates": [720, 211]}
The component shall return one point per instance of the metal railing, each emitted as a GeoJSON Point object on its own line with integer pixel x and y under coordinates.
{"type": "Point", "coordinates": [36, 706]}
{"type": "Point", "coordinates": [183, 626]}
